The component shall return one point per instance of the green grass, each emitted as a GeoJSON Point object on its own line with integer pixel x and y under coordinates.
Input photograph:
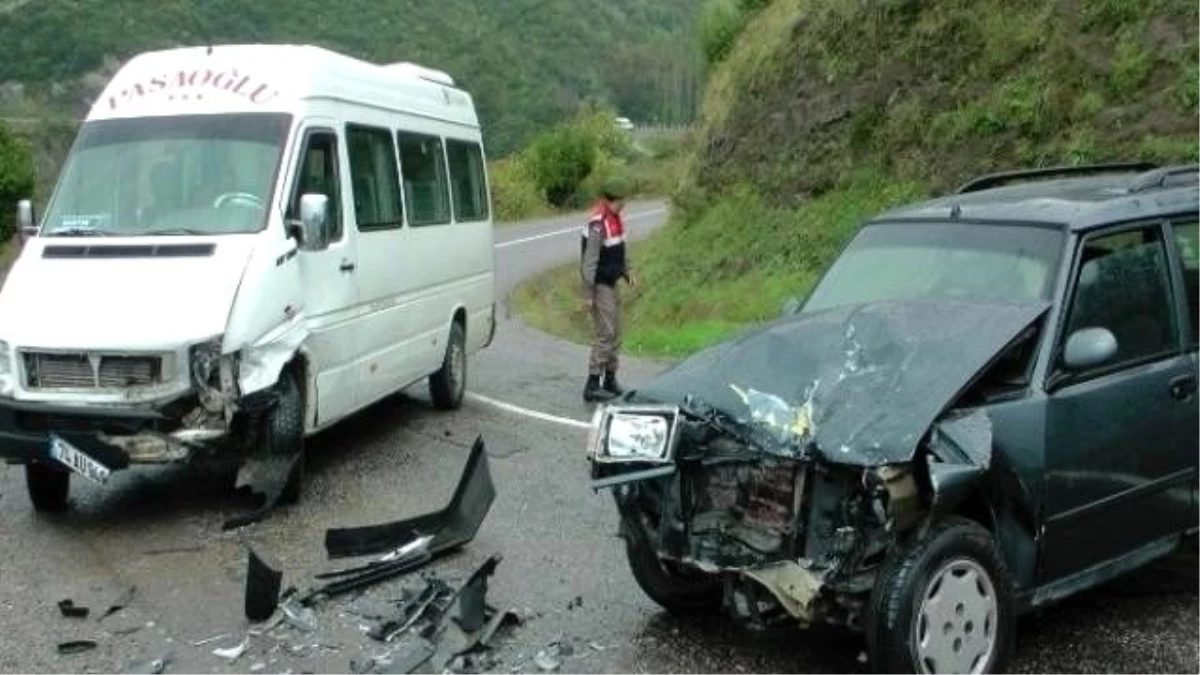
{"type": "Point", "coordinates": [703, 279]}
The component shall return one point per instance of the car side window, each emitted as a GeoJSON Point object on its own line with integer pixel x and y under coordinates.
{"type": "Point", "coordinates": [374, 179]}
{"type": "Point", "coordinates": [1187, 242]}
{"type": "Point", "coordinates": [1123, 285]}
{"type": "Point", "coordinates": [317, 173]}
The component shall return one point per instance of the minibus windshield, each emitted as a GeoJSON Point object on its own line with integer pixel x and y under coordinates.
{"type": "Point", "coordinates": [182, 175]}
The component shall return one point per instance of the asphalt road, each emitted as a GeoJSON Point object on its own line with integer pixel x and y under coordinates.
{"type": "Point", "coordinates": [563, 568]}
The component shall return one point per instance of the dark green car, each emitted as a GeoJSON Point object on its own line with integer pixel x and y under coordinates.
{"type": "Point", "coordinates": [987, 403]}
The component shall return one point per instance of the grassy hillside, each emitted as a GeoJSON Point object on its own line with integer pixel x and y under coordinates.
{"type": "Point", "coordinates": [824, 112]}
{"type": "Point", "coordinates": [529, 62]}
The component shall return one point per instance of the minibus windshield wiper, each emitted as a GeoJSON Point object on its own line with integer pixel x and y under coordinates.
{"type": "Point", "coordinates": [174, 231]}
{"type": "Point", "coordinates": [78, 232]}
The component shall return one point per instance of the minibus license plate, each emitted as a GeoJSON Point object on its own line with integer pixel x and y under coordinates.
{"type": "Point", "coordinates": [75, 460]}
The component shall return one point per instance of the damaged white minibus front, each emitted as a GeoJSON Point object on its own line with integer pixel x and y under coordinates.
{"type": "Point", "coordinates": [155, 314]}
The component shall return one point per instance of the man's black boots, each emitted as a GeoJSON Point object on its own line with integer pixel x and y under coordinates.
{"type": "Point", "coordinates": [594, 393]}
{"type": "Point", "coordinates": [610, 383]}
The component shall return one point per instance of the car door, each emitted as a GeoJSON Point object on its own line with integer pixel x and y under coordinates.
{"type": "Point", "coordinates": [1186, 234]}
{"type": "Point", "coordinates": [1119, 465]}
{"type": "Point", "coordinates": [328, 272]}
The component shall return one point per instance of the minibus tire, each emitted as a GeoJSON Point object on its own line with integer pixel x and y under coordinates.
{"type": "Point", "coordinates": [285, 434]}
{"type": "Point", "coordinates": [448, 385]}
{"type": "Point", "coordinates": [48, 486]}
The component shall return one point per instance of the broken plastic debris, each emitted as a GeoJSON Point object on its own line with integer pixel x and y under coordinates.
{"type": "Point", "coordinates": [120, 603]}
{"type": "Point", "coordinates": [232, 653]}
{"type": "Point", "coordinates": [265, 474]}
{"type": "Point", "coordinates": [262, 585]}
{"type": "Point", "coordinates": [302, 618]}
{"type": "Point", "coordinates": [254, 668]}
{"type": "Point", "coordinates": [68, 609]}
{"type": "Point", "coordinates": [75, 647]}
{"type": "Point", "coordinates": [547, 659]}
{"type": "Point", "coordinates": [596, 646]}
{"type": "Point", "coordinates": [151, 667]}
{"type": "Point", "coordinates": [451, 527]}
{"type": "Point", "coordinates": [210, 640]}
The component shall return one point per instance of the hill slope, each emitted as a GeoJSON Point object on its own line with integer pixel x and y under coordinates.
{"type": "Point", "coordinates": [825, 112]}
{"type": "Point", "coordinates": [528, 62]}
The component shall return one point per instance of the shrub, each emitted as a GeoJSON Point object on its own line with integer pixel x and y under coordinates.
{"type": "Point", "coordinates": [16, 178]}
{"type": "Point", "coordinates": [515, 194]}
{"type": "Point", "coordinates": [721, 21]}
{"type": "Point", "coordinates": [560, 160]}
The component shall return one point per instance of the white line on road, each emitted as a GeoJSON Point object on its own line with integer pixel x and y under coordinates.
{"type": "Point", "coordinates": [545, 417]}
{"type": "Point", "coordinates": [565, 230]}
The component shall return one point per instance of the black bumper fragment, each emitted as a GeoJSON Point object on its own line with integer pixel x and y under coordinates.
{"type": "Point", "coordinates": [450, 527]}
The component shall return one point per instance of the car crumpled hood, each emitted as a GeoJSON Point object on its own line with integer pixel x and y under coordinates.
{"type": "Point", "coordinates": [859, 385]}
{"type": "Point", "coordinates": [121, 303]}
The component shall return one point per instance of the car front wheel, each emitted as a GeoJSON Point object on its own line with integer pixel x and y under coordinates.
{"type": "Point", "coordinates": [942, 604]}
{"type": "Point", "coordinates": [676, 589]}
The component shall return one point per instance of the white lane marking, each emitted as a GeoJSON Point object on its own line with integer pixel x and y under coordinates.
{"type": "Point", "coordinates": [545, 417]}
{"type": "Point", "coordinates": [565, 230]}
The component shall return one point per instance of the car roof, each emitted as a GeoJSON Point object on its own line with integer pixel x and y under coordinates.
{"type": "Point", "coordinates": [1078, 198]}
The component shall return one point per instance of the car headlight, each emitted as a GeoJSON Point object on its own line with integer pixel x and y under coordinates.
{"type": "Point", "coordinates": [635, 434]}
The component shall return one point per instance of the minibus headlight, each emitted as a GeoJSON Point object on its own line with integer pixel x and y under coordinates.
{"type": "Point", "coordinates": [206, 361]}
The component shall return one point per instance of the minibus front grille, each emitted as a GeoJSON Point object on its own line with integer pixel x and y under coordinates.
{"type": "Point", "coordinates": [81, 371]}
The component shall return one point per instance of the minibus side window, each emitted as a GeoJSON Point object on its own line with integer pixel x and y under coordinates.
{"type": "Point", "coordinates": [467, 180]}
{"type": "Point", "coordinates": [374, 179]}
{"type": "Point", "coordinates": [317, 173]}
{"type": "Point", "coordinates": [423, 165]}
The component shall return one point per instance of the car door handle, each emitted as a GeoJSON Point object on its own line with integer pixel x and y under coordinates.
{"type": "Point", "coordinates": [1182, 387]}
{"type": "Point", "coordinates": [347, 266]}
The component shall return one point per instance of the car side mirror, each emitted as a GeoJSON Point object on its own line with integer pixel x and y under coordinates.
{"type": "Point", "coordinates": [1088, 348]}
{"type": "Point", "coordinates": [26, 220]}
{"type": "Point", "coordinates": [314, 219]}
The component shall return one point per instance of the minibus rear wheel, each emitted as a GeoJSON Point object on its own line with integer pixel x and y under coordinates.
{"type": "Point", "coordinates": [448, 385]}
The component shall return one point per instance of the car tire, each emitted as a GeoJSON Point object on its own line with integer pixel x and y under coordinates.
{"type": "Point", "coordinates": [48, 486]}
{"type": "Point", "coordinates": [284, 434]}
{"type": "Point", "coordinates": [677, 590]}
{"type": "Point", "coordinates": [448, 385]}
{"type": "Point", "coordinates": [950, 574]}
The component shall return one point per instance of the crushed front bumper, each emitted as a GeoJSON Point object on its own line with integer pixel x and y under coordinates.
{"type": "Point", "coordinates": [115, 437]}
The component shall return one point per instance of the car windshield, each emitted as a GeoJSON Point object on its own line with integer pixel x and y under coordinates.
{"type": "Point", "coordinates": [198, 174]}
{"type": "Point", "coordinates": [897, 261]}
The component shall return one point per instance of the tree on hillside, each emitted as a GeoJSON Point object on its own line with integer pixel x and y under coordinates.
{"type": "Point", "coordinates": [16, 177]}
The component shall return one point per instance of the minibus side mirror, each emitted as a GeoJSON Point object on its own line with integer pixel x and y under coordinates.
{"type": "Point", "coordinates": [26, 227]}
{"type": "Point", "coordinates": [314, 217]}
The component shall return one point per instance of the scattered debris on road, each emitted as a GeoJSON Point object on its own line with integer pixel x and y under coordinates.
{"type": "Point", "coordinates": [262, 585]}
{"type": "Point", "coordinates": [120, 603]}
{"type": "Point", "coordinates": [69, 609]}
{"type": "Point", "coordinates": [75, 647]}
{"type": "Point", "coordinates": [266, 474]}
{"type": "Point", "coordinates": [205, 641]}
{"type": "Point", "coordinates": [151, 667]}
{"type": "Point", "coordinates": [232, 654]}
{"type": "Point", "coordinates": [451, 527]}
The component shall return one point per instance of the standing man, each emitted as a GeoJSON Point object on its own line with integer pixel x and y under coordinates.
{"type": "Point", "coordinates": [604, 264]}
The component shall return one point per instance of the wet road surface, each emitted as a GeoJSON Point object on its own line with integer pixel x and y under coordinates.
{"type": "Point", "coordinates": [159, 531]}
